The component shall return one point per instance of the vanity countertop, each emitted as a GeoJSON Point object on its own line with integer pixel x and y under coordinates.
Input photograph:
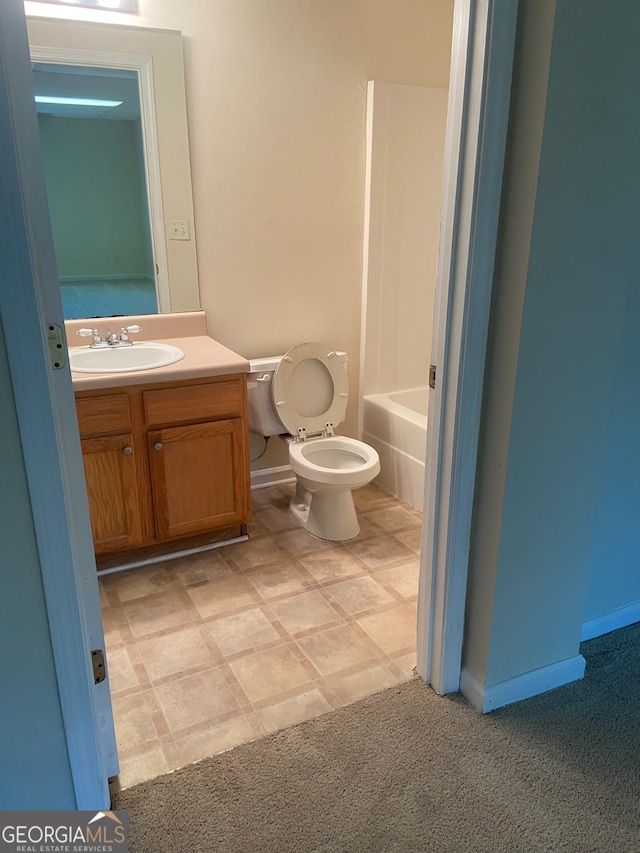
{"type": "Point", "coordinates": [203, 356]}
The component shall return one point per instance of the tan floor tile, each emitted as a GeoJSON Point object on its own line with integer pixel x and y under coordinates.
{"type": "Point", "coordinates": [282, 579]}
{"type": "Point", "coordinates": [357, 595]}
{"type": "Point", "coordinates": [195, 699]}
{"type": "Point", "coordinates": [281, 573]}
{"type": "Point", "coordinates": [348, 688]}
{"type": "Point", "coordinates": [412, 538]}
{"type": "Point", "coordinates": [395, 518]}
{"type": "Point", "coordinates": [300, 613]}
{"type": "Point", "coordinates": [223, 595]}
{"type": "Point", "coordinates": [406, 665]}
{"type": "Point", "coordinates": [139, 768]}
{"type": "Point", "coordinates": [367, 529]}
{"type": "Point", "coordinates": [174, 652]}
{"type": "Point", "coordinates": [370, 496]}
{"type": "Point", "coordinates": [332, 564]}
{"type": "Point", "coordinates": [122, 675]}
{"type": "Point", "coordinates": [256, 528]}
{"type": "Point", "coordinates": [136, 583]}
{"type": "Point", "coordinates": [403, 579]}
{"type": "Point", "coordinates": [264, 498]}
{"type": "Point", "coordinates": [217, 739]}
{"type": "Point", "coordinates": [276, 519]}
{"type": "Point", "coordinates": [255, 552]}
{"type": "Point", "coordinates": [162, 612]}
{"type": "Point", "coordinates": [111, 627]}
{"type": "Point", "coordinates": [197, 569]}
{"type": "Point", "coordinates": [135, 718]}
{"type": "Point", "coordinates": [298, 542]}
{"type": "Point", "coordinates": [246, 630]}
{"type": "Point", "coordinates": [392, 630]}
{"type": "Point", "coordinates": [380, 551]}
{"type": "Point", "coordinates": [295, 710]}
{"type": "Point", "coordinates": [336, 649]}
{"type": "Point", "coordinates": [269, 673]}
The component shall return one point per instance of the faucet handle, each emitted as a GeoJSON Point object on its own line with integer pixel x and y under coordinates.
{"type": "Point", "coordinates": [125, 331]}
{"type": "Point", "coordinates": [87, 333]}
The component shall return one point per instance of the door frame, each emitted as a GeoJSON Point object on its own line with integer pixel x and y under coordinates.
{"type": "Point", "coordinates": [31, 315]}
{"type": "Point", "coordinates": [484, 34]}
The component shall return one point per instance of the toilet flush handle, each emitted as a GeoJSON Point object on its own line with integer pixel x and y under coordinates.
{"type": "Point", "coordinates": [265, 378]}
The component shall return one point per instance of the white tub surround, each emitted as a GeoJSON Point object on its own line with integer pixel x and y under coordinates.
{"type": "Point", "coordinates": [396, 425]}
{"type": "Point", "coordinates": [405, 147]}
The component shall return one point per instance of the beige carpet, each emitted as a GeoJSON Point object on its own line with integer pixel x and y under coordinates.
{"type": "Point", "coordinates": [406, 770]}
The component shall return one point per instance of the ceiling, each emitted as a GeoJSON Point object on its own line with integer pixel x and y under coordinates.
{"type": "Point", "coordinates": [75, 81]}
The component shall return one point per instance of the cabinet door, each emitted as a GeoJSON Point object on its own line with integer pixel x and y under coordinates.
{"type": "Point", "coordinates": [198, 477]}
{"type": "Point", "coordinates": [112, 489]}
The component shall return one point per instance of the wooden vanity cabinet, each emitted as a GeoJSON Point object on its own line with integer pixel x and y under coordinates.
{"type": "Point", "coordinates": [165, 461]}
{"type": "Point", "coordinates": [110, 468]}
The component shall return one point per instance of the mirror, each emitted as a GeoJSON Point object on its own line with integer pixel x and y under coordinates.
{"type": "Point", "coordinates": [92, 148]}
{"type": "Point", "coordinates": [147, 260]}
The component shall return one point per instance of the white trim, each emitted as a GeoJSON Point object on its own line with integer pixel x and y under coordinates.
{"type": "Point", "coordinates": [142, 64]}
{"type": "Point", "coordinates": [266, 477]}
{"type": "Point", "coordinates": [481, 67]}
{"type": "Point", "coordinates": [619, 618]}
{"type": "Point", "coordinates": [523, 686]}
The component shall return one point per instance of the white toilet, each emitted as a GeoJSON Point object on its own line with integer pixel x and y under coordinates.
{"type": "Point", "coordinates": [303, 395]}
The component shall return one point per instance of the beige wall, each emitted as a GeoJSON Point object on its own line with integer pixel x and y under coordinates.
{"type": "Point", "coordinates": [276, 99]}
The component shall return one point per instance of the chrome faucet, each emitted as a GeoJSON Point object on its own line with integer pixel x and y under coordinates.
{"type": "Point", "coordinates": [111, 338]}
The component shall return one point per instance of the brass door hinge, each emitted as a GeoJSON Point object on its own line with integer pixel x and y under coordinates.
{"type": "Point", "coordinates": [432, 376]}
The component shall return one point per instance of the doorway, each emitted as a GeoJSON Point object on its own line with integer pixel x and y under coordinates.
{"type": "Point", "coordinates": [440, 421]}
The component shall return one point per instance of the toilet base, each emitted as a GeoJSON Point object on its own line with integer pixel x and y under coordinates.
{"type": "Point", "coordinates": [329, 514]}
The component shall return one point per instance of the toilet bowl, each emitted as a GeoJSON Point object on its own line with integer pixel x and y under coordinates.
{"type": "Point", "coordinates": [303, 395]}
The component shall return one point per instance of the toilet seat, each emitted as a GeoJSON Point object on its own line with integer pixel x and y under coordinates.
{"type": "Point", "coordinates": [336, 460]}
{"type": "Point", "coordinates": [310, 390]}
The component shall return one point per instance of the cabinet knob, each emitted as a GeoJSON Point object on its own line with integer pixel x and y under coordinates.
{"type": "Point", "coordinates": [127, 450]}
{"type": "Point", "coordinates": [157, 445]}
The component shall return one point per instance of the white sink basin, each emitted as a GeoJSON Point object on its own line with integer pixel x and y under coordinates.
{"type": "Point", "coordinates": [142, 355]}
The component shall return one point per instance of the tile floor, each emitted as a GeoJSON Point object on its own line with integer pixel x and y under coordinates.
{"type": "Point", "coordinates": [210, 651]}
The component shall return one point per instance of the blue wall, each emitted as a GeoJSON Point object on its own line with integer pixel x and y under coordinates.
{"type": "Point", "coordinates": [97, 197]}
{"type": "Point", "coordinates": [569, 525]}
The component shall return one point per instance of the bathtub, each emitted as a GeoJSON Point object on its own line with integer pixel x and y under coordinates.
{"type": "Point", "coordinates": [396, 425]}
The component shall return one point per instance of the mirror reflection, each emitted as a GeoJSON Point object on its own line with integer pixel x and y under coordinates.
{"type": "Point", "coordinates": [92, 146]}
{"type": "Point", "coordinates": [118, 173]}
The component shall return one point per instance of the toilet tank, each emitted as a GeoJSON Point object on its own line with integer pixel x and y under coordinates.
{"type": "Point", "coordinates": [263, 419]}
{"type": "Point", "coordinates": [262, 415]}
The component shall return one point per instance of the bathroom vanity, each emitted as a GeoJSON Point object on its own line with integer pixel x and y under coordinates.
{"type": "Point", "coordinates": [165, 451]}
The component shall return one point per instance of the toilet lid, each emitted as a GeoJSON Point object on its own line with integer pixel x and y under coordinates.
{"type": "Point", "coordinates": [310, 389]}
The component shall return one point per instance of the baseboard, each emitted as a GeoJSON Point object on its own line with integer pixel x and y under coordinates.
{"type": "Point", "coordinates": [619, 618]}
{"type": "Point", "coordinates": [94, 279]}
{"type": "Point", "coordinates": [523, 686]}
{"type": "Point", "coordinates": [266, 477]}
